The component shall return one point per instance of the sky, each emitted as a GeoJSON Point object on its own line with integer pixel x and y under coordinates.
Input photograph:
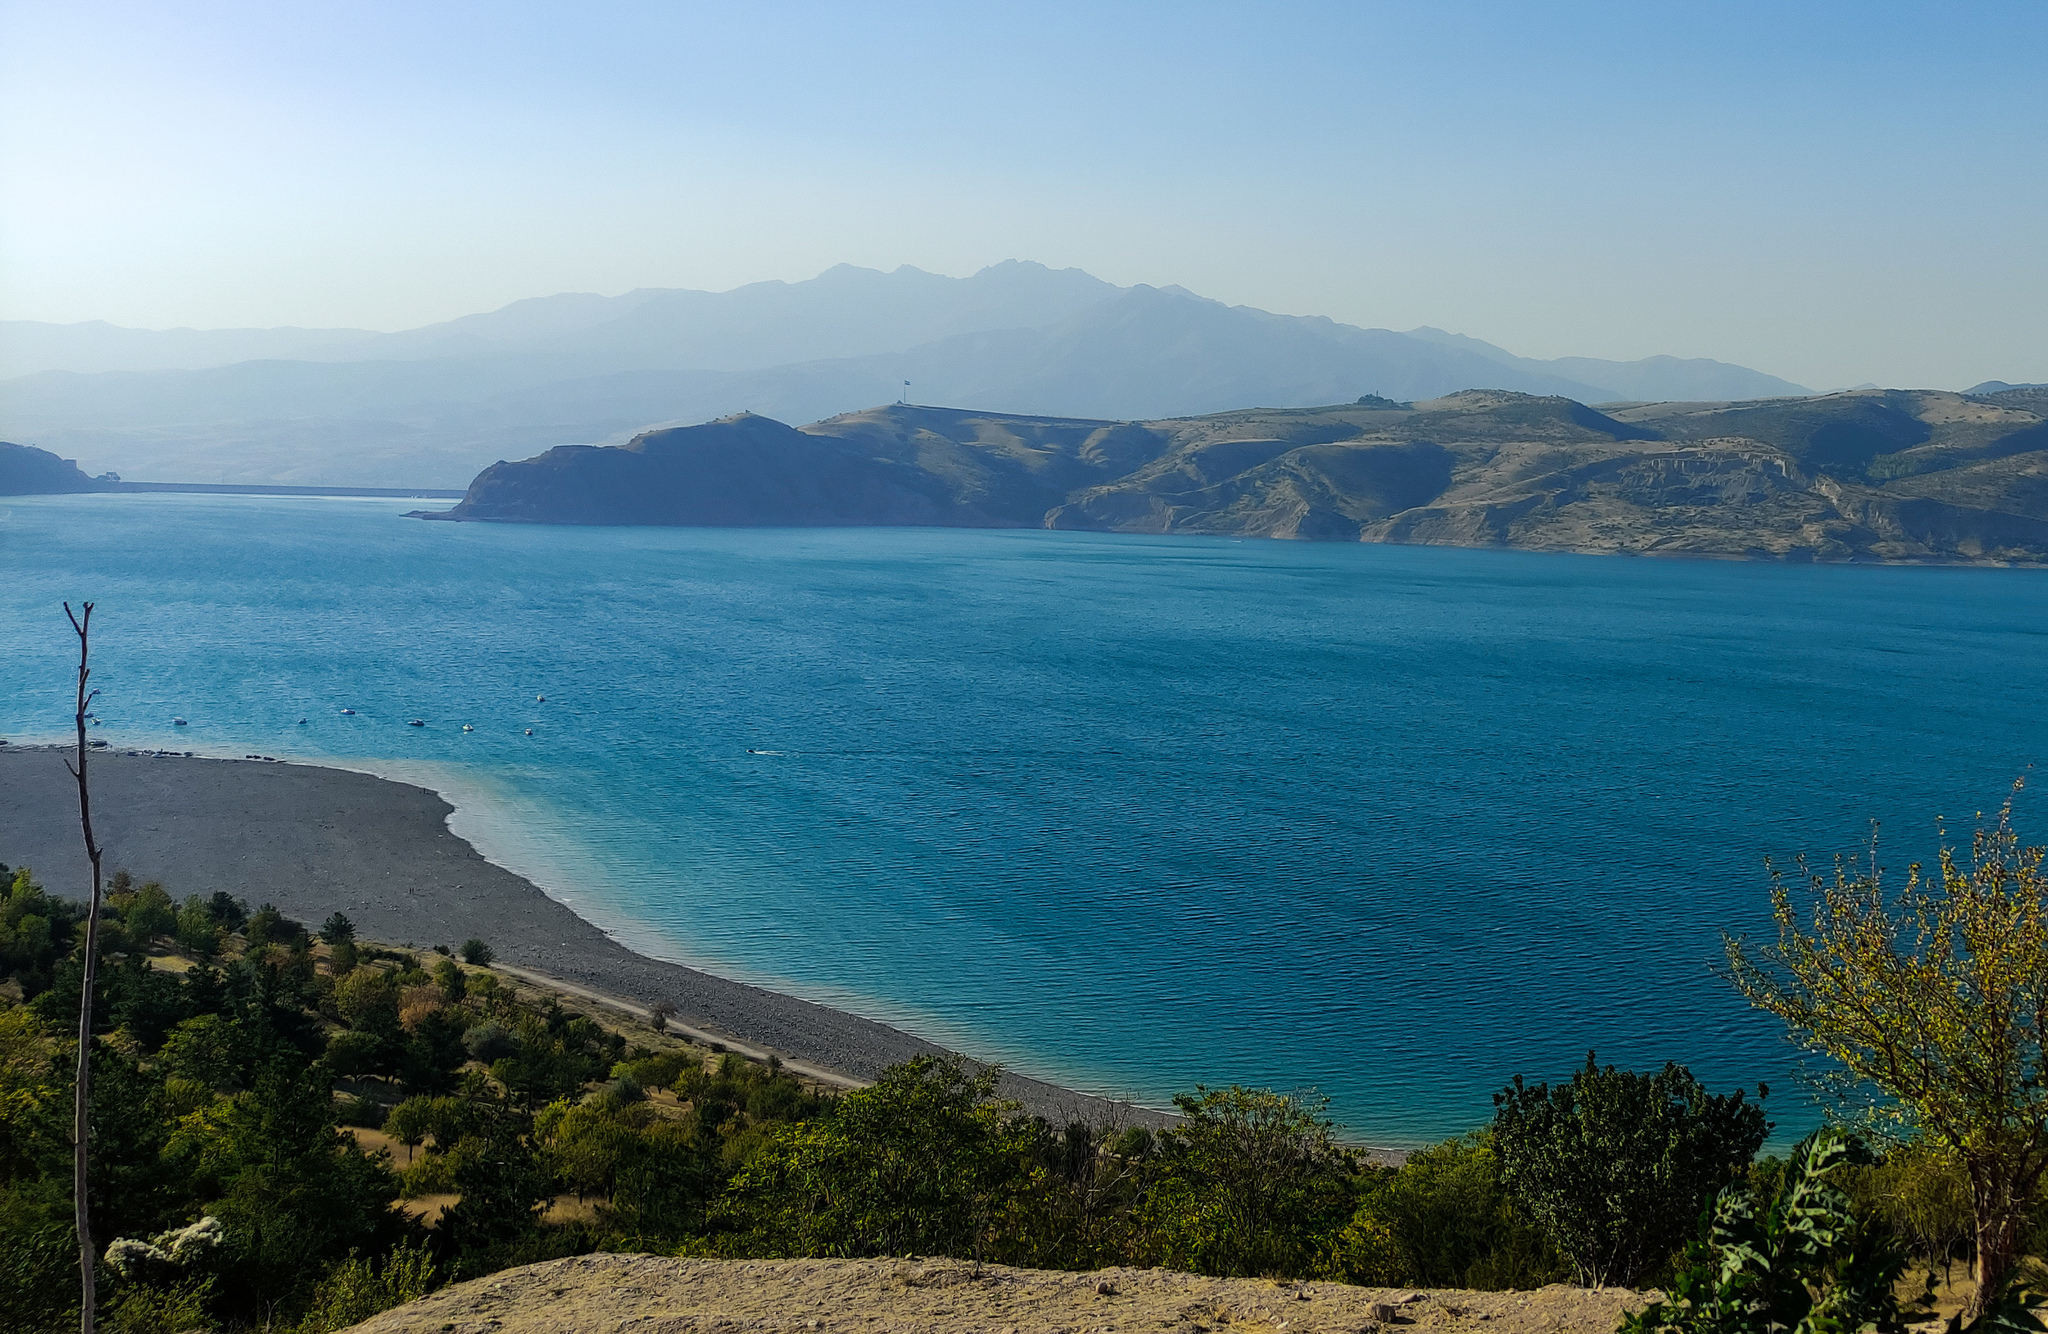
{"type": "Point", "coordinates": [1835, 193]}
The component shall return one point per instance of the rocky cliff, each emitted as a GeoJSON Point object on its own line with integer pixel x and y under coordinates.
{"type": "Point", "coordinates": [1895, 475]}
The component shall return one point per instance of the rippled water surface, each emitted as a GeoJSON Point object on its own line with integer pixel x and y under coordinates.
{"type": "Point", "coordinates": [1131, 813]}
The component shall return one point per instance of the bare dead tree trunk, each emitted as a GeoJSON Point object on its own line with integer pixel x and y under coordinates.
{"type": "Point", "coordinates": [82, 1088]}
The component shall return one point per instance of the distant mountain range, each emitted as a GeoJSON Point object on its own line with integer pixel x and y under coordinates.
{"type": "Point", "coordinates": [1888, 475]}
{"type": "Point", "coordinates": [431, 406]}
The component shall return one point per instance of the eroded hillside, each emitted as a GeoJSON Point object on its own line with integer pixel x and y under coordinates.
{"type": "Point", "coordinates": [1890, 475]}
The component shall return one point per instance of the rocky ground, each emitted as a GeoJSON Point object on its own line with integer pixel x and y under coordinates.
{"type": "Point", "coordinates": [645, 1294]}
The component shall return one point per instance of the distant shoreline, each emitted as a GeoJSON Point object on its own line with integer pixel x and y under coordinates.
{"type": "Point", "coordinates": [237, 489]}
{"type": "Point", "coordinates": [316, 840]}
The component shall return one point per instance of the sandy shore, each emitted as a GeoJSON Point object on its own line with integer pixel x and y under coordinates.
{"type": "Point", "coordinates": [316, 841]}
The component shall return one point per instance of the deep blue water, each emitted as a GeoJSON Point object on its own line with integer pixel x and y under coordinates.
{"type": "Point", "coordinates": [1131, 813]}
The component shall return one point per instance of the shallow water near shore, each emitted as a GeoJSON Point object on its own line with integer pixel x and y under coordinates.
{"type": "Point", "coordinates": [1128, 813]}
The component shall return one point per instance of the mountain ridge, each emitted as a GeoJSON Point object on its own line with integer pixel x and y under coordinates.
{"type": "Point", "coordinates": [431, 406]}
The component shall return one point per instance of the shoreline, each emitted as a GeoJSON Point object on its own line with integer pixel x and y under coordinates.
{"type": "Point", "coordinates": [316, 839]}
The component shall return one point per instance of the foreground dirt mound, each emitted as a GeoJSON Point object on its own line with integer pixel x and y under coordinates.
{"type": "Point", "coordinates": [646, 1294]}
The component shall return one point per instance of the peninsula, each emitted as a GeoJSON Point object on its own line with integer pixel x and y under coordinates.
{"type": "Point", "coordinates": [1867, 475]}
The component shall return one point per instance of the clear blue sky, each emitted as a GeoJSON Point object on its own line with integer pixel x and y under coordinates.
{"type": "Point", "coordinates": [1833, 192]}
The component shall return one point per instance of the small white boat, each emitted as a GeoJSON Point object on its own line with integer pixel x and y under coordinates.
{"type": "Point", "coordinates": [302, 723]}
{"type": "Point", "coordinates": [348, 711]}
{"type": "Point", "coordinates": [540, 699]}
{"type": "Point", "coordinates": [179, 722]}
{"type": "Point", "coordinates": [467, 728]}
{"type": "Point", "coordinates": [529, 731]}
{"type": "Point", "coordinates": [416, 722]}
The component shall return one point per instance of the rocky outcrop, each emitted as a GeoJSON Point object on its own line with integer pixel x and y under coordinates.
{"type": "Point", "coordinates": [28, 471]}
{"type": "Point", "coordinates": [1887, 475]}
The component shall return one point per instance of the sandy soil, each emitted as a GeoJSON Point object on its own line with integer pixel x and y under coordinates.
{"type": "Point", "coordinates": [315, 841]}
{"type": "Point", "coordinates": [645, 1294]}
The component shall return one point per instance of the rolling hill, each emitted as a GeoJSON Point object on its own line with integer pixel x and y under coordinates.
{"type": "Point", "coordinates": [1882, 475]}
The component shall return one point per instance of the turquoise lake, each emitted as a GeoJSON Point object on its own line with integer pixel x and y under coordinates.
{"type": "Point", "coordinates": [1130, 813]}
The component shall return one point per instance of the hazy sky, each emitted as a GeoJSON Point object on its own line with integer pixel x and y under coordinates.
{"type": "Point", "coordinates": [1831, 192]}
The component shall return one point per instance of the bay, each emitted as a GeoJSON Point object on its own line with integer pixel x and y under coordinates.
{"type": "Point", "coordinates": [1129, 813]}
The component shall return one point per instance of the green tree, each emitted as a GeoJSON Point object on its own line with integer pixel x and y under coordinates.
{"type": "Point", "coordinates": [1617, 1166]}
{"type": "Point", "coordinates": [297, 1195]}
{"type": "Point", "coordinates": [36, 931]}
{"type": "Point", "coordinates": [150, 913]}
{"type": "Point", "coordinates": [923, 1162]}
{"type": "Point", "coordinates": [198, 931]}
{"type": "Point", "coordinates": [1443, 1220]}
{"type": "Point", "coordinates": [268, 926]}
{"type": "Point", "coordinates": [476, 953]}
{"type": "Point", "coordinates": [1935, 999]}
{"type": "Point", "coordinates": [1251, 1182]}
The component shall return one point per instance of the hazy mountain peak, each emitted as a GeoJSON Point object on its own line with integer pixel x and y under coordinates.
{"type": "Point", "coordinates": [1431, 334]}
{"type": "Point", "coordinates": [427, 406]}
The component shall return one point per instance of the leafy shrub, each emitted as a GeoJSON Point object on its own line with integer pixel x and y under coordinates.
{"type": "Point", "coordinates": [268, 926]}
{"type": "Point", "coordinates": [355, 1290]}
{"type": "Point", "coordinates": [228, 912]}
{"type": "Point", "coordinates": [1617, 1166]}
{"type": "Point", "coordinates": [658, 1072]}
{"type": "Point", "coordinates": [1919, 1194]}
{"type": "Point", "coordinates": [1803, 1262]}
{"type": "Point", "coordinates": [450, 979]}
{"type": "Point", "coordinates": [1443, 1219]}
{"type": "Point", "coordinates": [367, 1113]}
{"type": "Point", "coordinates": [35, 932]}
{"type": "Point", "coordinates": [1250, 1182]}
{"type": "Point", "coordinates": [490, 1041]}
{"type": "Point", "coordinates": [175, 1308]}
{"type": "Point", "coordinates": [199, 931]}
{"type": "Point", "coordinates": [477, 954]}
{"type": "Point", "coordinates": [920, 1163]}
{"type": "Point", "coordinates": [150, 913]}
{"type": "Point", "coordinates": [352, 1052]}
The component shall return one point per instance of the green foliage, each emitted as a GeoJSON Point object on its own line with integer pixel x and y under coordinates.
{"type": "Point", "coordinates": [450, 979]}
{"type": "Point", "coordinates": [477, 954]}
{"type": "Point", "coordinates": [1930, 1004]}
{"type": "Point", "coordinates": [268, 926]}
{"type": "Point", "coordinates": [229, 913]}
{"type": "Point", "coordinates": [1802, 1263]}
{"type": "Point", "coordinates": [38, 1266]}
{"type": "Point", "coordinates": [36, 931]}
{"type": "Point", "coordinates": [147, 914]}
{"type": "Point", "coordinates": [1251, 1182]}
{"type": "Point", "coordinates": [1616, 1166]}
{"type": "Point", "coordinates": [199, 934]}
{"type": "Point", "coordinates": [216, 1100]}
{"type": "Point", "coordinates": [355, 1289]}
{"type": "Point", "coordinates": [1443, 1219]}
{"type": "Point", "coordinates": [1920, 1195]}
{"type": "Point", "coordinates": [176, 1309]}
{"type": "Point", "coordinates": [921, 1163]}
